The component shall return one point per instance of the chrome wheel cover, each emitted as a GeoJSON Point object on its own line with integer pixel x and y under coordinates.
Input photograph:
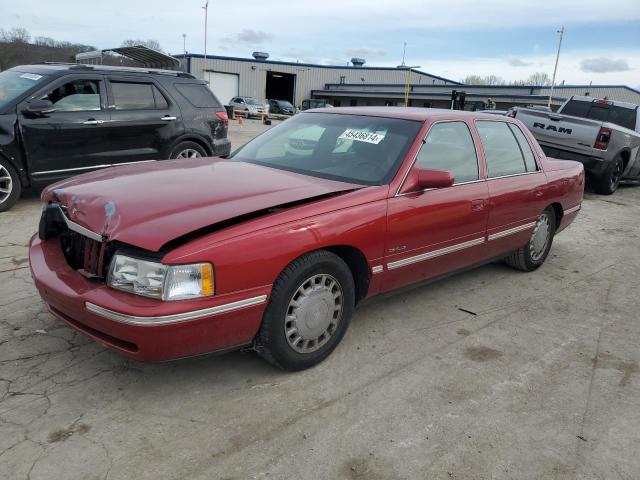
{"type": "Point", "coordinates": [540, 238]}
{"type": "Point", "coordinates": [189, 153]}
{"type": "Point", "coordinates": [313, 313]}
{"type": "Point", "coordinates": [6, 184]}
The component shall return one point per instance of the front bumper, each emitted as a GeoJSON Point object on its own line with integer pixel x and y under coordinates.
{"type": "Point", "coordinates": [143, 328]}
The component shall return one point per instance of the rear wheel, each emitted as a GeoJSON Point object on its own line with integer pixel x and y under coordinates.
{"type": "Point", "coordinates": [534, 253]}
{"type": "Point", "coordinates": [609, 181]}
{"type": "Point", "coordinates": [10, 186]}
{"type": "Point", "coordinates": [311, 305]}
{"type": "Point", "coordinates": [188, 150]}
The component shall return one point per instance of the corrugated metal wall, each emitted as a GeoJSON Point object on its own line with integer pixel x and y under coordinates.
{"type": "Point", "coordinates": [612, 92]}
{"type": "Point", "coordinates": [253, 75]}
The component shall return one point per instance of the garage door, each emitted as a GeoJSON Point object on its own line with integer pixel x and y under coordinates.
{"type": "Point", "coordinates": [224, 85]}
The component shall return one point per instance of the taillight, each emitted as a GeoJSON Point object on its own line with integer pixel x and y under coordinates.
{"type": "Point", "coordinates": [602, 140]}
{"type": "Point", "coordinates": [512, 113]}
{"type": "Point", "coordinates": [224, 117]}
{"type": "Point", "coordinates": [602, 101]}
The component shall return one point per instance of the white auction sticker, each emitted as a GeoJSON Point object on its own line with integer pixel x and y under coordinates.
{"type": "Point", "coordinates": [31, 76]}
{"type": "Point", "coordinates": [360, 136]}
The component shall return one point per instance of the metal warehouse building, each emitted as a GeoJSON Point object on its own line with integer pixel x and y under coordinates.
{"type": "Point", "coordinates": [355, 84]}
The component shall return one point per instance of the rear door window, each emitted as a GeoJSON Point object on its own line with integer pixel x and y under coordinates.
{"type": "Point", "coordinates": [501, 149]}
{"type": "Point", "coordinates": [137, 96]}
{"type": "Point", "coordinates": [449, 147]}
{"type": "Point", "coordinates": [198, 95]}
{"type": "Point", "coordinates": [525, 148]}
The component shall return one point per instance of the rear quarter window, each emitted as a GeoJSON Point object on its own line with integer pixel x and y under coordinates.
{"type": "Point", "coordinates": [198, 95]}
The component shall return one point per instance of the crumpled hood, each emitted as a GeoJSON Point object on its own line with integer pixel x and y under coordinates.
{"type": "Point", "coordinates": [149, 204]}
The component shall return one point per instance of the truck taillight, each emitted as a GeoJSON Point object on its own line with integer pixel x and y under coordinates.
{"type": "Point", "coordinates": [602, 140]}
{"type": "Point", "coordinates": [512, 113]}
{"type": "Point", "coordinates": [223, 116]}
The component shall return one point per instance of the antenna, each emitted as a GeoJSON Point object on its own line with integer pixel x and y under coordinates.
{"type": "Point", "coordinates": [404, 52]}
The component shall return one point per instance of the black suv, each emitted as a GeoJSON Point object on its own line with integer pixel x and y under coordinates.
{"type": "Point", "coordinates": [59, 120]}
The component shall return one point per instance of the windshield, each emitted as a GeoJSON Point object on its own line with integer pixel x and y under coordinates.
{"type": "Point", "coordinates": [350, 148]}
{"type": "Point", "coordinates": [13, 84]}
{"type": "Point", "coordinates": [251, 101]}
{"type": "Point", "coordinates": [284, 103]}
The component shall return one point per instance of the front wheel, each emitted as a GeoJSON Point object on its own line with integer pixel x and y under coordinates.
{"type": "Point", "coordinates": [534, 253]}
{"type": "Point", "coordinates": [309, 311]}
{"type": "Point", "coordinates": [10, 186]}
{"type": "Point", "coordinates": [609, 181]}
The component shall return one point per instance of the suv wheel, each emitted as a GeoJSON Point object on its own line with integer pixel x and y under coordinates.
{"type": "Point", "coordinates": [610, 179]}
{"type": "Point", "coordinates": [188, 150]}
{"type": "Point", "coordinates": [309, 311]}
{"type": "Point", "coordinates": [10, 186]}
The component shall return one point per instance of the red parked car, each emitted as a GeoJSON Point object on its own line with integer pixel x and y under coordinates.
{"type": "Point", "coordinates": [275, 246]}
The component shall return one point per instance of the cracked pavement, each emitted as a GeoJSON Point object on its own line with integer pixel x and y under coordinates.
{"type": "Point", "coordinates": [491, 373]}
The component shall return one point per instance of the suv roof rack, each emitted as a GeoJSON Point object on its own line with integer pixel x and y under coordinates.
{"type": "Point", "coordinates": [115, 68]}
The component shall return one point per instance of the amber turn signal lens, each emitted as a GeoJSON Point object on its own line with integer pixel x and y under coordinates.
{"type": "Point", "coordinates": [206, 276]}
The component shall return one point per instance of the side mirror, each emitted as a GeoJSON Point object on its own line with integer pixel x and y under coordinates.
{"type": "Point", "coordinates": [423, 178]}
{"type": "Point", "coordinates": [39, 107]}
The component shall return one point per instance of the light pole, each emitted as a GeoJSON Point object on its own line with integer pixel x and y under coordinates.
{"type": "Point", "coordinates": [184, 43]}
{"type": "Point", "coordinates": [407, 87]}
{"type": "Point", "coordinates": [555, 69]}
{"type": "Point", "coordinates": [206, 11]}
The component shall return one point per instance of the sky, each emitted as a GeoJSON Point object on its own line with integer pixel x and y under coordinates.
{"type": "Point", "coordinates": [449, 38]}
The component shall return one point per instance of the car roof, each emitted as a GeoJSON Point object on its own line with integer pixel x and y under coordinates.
{"type": "Point", "coordinates": [406, 113]}
{"type": "Point", "coordinates": [53, 68]}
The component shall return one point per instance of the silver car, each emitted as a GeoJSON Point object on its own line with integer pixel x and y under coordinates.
{"type": "Point", "coordinates": [249, 105]}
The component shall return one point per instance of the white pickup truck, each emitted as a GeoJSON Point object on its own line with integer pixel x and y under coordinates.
{"type": "Point", "coordinates": [603, 135]}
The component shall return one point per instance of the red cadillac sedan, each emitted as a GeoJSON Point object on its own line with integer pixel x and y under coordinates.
{"type": "Point", "coordinates": [275, 246]}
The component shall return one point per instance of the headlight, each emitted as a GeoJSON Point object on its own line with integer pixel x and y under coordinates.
{"type": "Point", "coordinates": [155, 280]}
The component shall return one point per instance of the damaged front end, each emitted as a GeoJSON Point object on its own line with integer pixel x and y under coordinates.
{"type": "Point", "coordinates": [84, 250]}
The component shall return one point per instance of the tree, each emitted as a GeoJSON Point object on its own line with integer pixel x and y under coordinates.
{"type": "Point", "coordinates": [488, 80]}
{"type": "Point", "coordinates": [150, 43]}
{"type": "Point", "coordinates": [539, 79]}
{"type": "Point", "coordinates": [15, 35]}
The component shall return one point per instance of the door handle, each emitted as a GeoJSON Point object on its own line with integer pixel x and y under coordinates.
{"type": "Point", "coordinates": [93, 121]}
{"type": "Point", "coordinates": [477, 205]}
{"type": "Point", "coordinates": [167, 118]}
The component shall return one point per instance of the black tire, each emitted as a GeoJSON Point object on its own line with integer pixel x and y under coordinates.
{"type": "Point", "coordinates": [183, 147]}
{"type": "Point", "coordinates": [609, 181]}
{"type": "Point", "coordinates": [10, 186]}
{"type": "Point", "coordinates": [271, 342]}
{"type": "Point", "coordinates": [526, 258]}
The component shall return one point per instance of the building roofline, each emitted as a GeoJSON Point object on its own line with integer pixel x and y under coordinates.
{"type": "Point", "coordinates": [529, 87]}
{"type": "Point", "coordinates": [315, 65]}
{"type": "Point", "coordinates": [426, 94]}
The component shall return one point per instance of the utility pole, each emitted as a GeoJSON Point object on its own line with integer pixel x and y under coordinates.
{"type": "Point", "coordinates": [206, 11]}
{"type": "Point", "coordinates": [408, 84]}
{"type": "Point", "coordinates": [555, 69]}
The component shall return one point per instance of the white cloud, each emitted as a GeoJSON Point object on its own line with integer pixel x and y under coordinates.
{"type": "Point", "coordinates": [365, 52]}
{"type": "Point", "coordinates": [569, 68]}
{"type": "Point", "coordinates": [249, 37]}
{"type": "Point", "coordinates": [518, 62]}
{"type": "Point", "coordinates": [604, 65]}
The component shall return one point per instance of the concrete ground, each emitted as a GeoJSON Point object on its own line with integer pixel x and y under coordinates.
{"type": "Point", "coordinates": [537, 378]}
